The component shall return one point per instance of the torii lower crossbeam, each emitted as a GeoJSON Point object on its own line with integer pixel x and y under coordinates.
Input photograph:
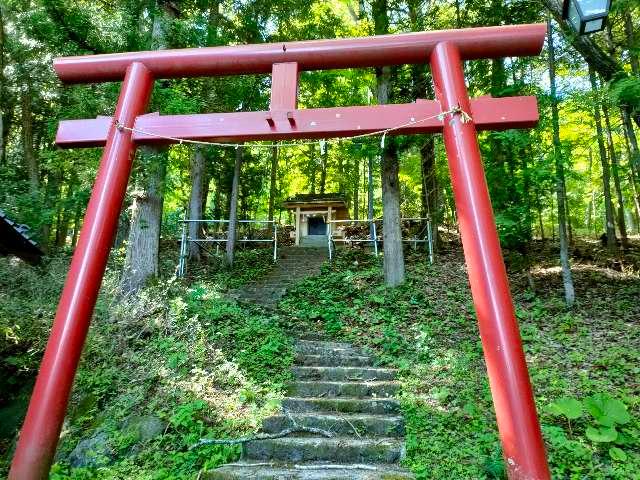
{"type": "Point", "coordinates": [487, 113]}
{"type": "Point", "coordinates": [518, 425]}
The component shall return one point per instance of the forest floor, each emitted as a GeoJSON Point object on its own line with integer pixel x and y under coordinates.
{"type": "Point", "coordinates": [180, 361]}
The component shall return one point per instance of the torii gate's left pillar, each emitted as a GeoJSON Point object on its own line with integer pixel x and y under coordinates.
{"type": "Point", "coordinates": [39, 434]}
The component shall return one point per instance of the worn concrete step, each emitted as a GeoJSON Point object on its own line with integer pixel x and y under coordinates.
{"type": "Point", "coordinates": [337, 449]}
{"type": "Point", "coordinates": [343, 389]}
{"type": "Point", "coordinates": [314, 339]}
{"type": "Point", "coordinates": [344, 374]}
{"type": "Point", "coordinates": [386, 406]}
{"type": "Point", "coordinates": [307, 471]}
{"type": "Point", "coordinates": [349, 425]}
{"type": "Point", "coordinates": [346, 359]}
{"type": "Point", "coordinates": [327, 348]}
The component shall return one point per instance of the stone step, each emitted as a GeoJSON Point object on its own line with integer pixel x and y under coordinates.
{"type": "Point", "coordinates": [349, 425]}
{"type": "Point", "coordinates": [337, 449]}
{"type": "Point", "coordinates": [334, 360]}
{"type": "Point", "coordinates": [386, 406]}
{"type": "Point", "coordinates": [314, 339]}
{"type": "Point", "coordinates": [342, 374]}
{"type": "Point", "coordinates": [307, 471]}
{"type": "Point", "coordinates": [328, 348]}
{"type": "Point", "coordinates": [343, 389]}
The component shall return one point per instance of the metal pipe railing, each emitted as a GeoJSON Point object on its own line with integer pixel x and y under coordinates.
{"type": "Point", "coordinates": [428, 239]}
{"type": "Point", "coordinates": [186, 239]}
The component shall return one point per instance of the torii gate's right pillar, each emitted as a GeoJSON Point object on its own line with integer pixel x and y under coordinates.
{"type": "Point", "coordinates": [522, 443]}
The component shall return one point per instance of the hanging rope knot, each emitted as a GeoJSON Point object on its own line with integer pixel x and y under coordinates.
{"type": "Point", "coordinates": [457, 110]}
{"type": "Point", "coordinates": [119, 125]}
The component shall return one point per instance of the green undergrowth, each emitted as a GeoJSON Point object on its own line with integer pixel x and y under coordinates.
{"type": "Point", "coordinates": [175, 363]}
{"type": "Point", "coordinates": [586, 356]}
{"type": "Point", "coordinates": [200, 366]}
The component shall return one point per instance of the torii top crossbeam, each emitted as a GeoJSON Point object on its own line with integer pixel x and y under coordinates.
{"type": "Point", "coordinates": [516, 416]}
{"type": "Point", "coordinates": [408, 48]}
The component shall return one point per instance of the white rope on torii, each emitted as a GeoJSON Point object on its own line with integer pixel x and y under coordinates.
{"type": "Point", "coordinates": [464, 116]}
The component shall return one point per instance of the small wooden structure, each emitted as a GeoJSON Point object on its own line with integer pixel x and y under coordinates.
{"type": "Point", "coordinates": [313, 212]}
{"type": "Point", "coordinates": [14, 241]}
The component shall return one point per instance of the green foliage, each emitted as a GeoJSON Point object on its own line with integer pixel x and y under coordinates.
{"type": "Point", "coordinates": [427, 328]}
{"type": "Point", "coordinates": [569, 407]}
{"type": "Point", "coordinates": [607, 411]}
{"type": "Point", "coordinates": [205, 366]}
{"type": "Point", "coordinates": [626, 91]}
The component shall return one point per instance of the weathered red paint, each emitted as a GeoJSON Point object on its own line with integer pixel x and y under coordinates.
{"type": "Point", "coordinates": [39, 434]}
{"type": "Point", "coordinates": [284, 87]}
{"type": "Point", "coordinates": [488, 114]}
{"type": "Point", "coordinates": [522, 443]}
{"type": "Point", "coordinates": [473, 43]}
{"type": "Point", "coordinates": [511, 389]}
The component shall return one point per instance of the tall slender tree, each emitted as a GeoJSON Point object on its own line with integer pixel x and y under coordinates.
{"type": "Point", "coordinates": [233, 209]}
{"type": "Point", "coordinates": [197, 168]}
{"type": "Point", "coordinates": [143, 245]}
{"type": "Point", "coordinates": [394, 272]}
{"type": "Point", "coordinates": [615, 170]}
{"type": "Point", "coordinates": [606, 173]}
{"type": "Point", "coordinates": [567, 278]}
{"type": "Point", "coordinates": [272, 185]}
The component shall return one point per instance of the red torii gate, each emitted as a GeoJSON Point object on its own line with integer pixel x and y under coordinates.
{"type": "Point", "coordinates": [518, 425]}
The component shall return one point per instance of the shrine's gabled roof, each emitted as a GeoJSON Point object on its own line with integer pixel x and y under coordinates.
{"type": "Point", "coordinates": [336, 199]}
{"type": "Point", "coordinates": [14, 240]}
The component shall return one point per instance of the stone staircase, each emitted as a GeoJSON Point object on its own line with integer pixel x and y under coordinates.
{"type": "Point", "coordinates": [293, 265]}
{"type": "Point", "coordinates": [339, 391]}
{"type": "Point", "coordinates": [318, 241]}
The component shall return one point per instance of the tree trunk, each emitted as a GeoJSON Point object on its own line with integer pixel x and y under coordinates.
{"type": "Point", "coordinates": [30, 160]}
{"type": "Point", "coordinates": [539, 210]}
{"type": "Point", "coordinates": [634, 160]}
{"type": "Point", "coordinates": [217, 200]}
{"type": "Point", "coordinates": [233, 209]}
{"type": "Point", "coordinates": [274, 177]}
{"type": "Point", "coordinates": [631, 46]}
{"type": "Point", "coordinates": [323, 168]}
{"type": "Point", "coordinates": [213, 22]}
{"type": "Point", "coordinates": [356, 190]}
{"type": "Point", "coordinates": [141, 260]}
{"type": "Point", "coordinates": [77, 220]}
{"type": "Point", "coordinates": [567, 279]}
{"type": "Point", "coordinates": [591, 207]}
{"type": "Point", "coordinates": [392, 233]}
{"type": "Point", "coordinates": [394, 273]}
{"type": "Point", "coordinates": [567, 216]}
{"type": "Point", "coordinates": [51, 196]}
{"type": "Point", "coordinates": [313, 167]}
{"type": "Point", "coordinates": [143, 247]}
{"type": "Point", "coordinates": [615, 170]}
{"type": "Point", "coordinates": [370, 210]}
{"type": "Point", "coordinates": [612, 243]}
{"type": "Point", "coordinates": [4, 104]}
{"type": "Point", "coordinates": [195, 201]}
{"type": "Point", "coordinates": [429, 197]}
{"type": "Point", "coordinates": [63, 228]}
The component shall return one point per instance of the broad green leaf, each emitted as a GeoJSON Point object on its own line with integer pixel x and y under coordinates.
{"type": "Point", "coordinates": [606, 410]}
{"type": "Point", "coordinates": [617, 454]}
{"type": "Point", "coordinates": [569, 407]}
{"type": "Point", "coordinates": [602, 435]}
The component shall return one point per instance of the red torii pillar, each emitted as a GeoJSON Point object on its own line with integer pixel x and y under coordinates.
{"type": "Point", "coordinates": [520, 434]}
